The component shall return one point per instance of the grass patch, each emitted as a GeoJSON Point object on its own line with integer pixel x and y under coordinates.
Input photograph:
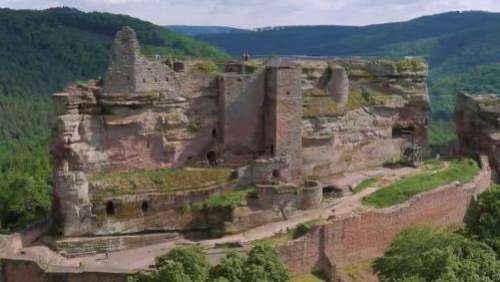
{"type": "Point", "coordinates": [357, 272]}
{"type": "Point", "coordinates": [229, 200]}
{"type": "Point", "coordinates": [365, 184]}
{"type": "Point", "coordinates": [310, 277]}
{"type": "Point", "coordinates": [462, 170]}
{"type": "Point", "coordinates": [167, 180]}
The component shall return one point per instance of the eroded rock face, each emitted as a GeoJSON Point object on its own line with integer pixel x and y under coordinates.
{"type": "Point", "coordinates": [367, 127]}
{"type": "Point", "coordinates": [478, 126]}
{"type": "Point", "coordinates": [271, 121]}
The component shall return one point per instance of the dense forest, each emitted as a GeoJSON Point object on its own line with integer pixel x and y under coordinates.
{"type": "Point", "coordinates": [463, 49]}
{"type": "Point", "coordinates": [40, 53]}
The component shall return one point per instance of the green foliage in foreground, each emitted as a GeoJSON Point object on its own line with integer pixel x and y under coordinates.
{"type": "Point", "coordinates": [189, 264]}
{"type": "Point", "coordinates": [484, 218]}
{"type": "Point", "coordinates": [462, 170]}
{"type": "Point", "coordinates": [426, 255]}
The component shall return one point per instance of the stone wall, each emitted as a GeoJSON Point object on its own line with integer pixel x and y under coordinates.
{"type": "Point", "coordinates": [154, 211]}
{"type": "Point", "coordinates": [129, 71]}
{"type": "Point", "coordinates": [241, 99]}
{"type": "Point", "coordinates": [13, 270]}
{"type": "Point", "coordinates": [283, 119]}
{"type": "Point", "coordinates": [365, 236]}
{"type": "Point", "coordinates": [478, 126]}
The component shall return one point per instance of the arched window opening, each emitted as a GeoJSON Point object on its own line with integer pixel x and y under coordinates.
{"type": "Point", "coordinates": [276, 173]}
{"type": "Point", "coordinates": [271, 149]}
{"type": "Point", "coordinates": [214, 133]}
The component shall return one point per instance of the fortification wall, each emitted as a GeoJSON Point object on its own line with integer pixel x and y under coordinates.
{"type": "Point", "coordinates": [241, 99]}
{"type": "Point", "coordinates": [27, 271]}
{"type": "Point", "coordinates": [367, 235]}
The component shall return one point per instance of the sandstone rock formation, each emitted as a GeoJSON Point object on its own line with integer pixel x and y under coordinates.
{"type": "Point", "coordinates": [134, 150]}
{"type": "Point", "coordinates": [478, 126]}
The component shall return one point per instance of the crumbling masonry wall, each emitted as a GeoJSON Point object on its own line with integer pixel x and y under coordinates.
{"type": "Point", "coordinates": [365, 236]}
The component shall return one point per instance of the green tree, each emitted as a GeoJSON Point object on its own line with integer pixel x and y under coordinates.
{"type": "Point", "coordinates": [484, 218]}
{"type": "Point", "coordinates": [230, 268]}
{"type": "Point", "coordinates": [170, 271]}
{"type": "Point", "coordinates": [193, 260]}
{"type": "Point", "coordinates": [264, 264]}
{"type": "Point", "coordinates": [423, 254]}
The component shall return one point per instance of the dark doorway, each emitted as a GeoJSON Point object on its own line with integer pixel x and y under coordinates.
{"type": "Point", "coordinates": [332, 192]}
{"type": "Point", "coordinates": [110, 208]}
{"type": "Point", "coordinates": [276, 173]}
{"type": "Point", "coordinates": [214, 133]}
{"type": "Point", "coordinates": [145, 207]}
{"type": "Point", "coordinates": [212, 158]}
{"type": "Point", "coordinates": [271, 149]}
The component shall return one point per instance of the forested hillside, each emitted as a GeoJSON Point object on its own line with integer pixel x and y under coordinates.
{"type": "Point", "coordinates": [40, 53]}
{"type": "Point", "coordinates": [463, 49]}
{"type": "Point", "coordinates": [200, 30]}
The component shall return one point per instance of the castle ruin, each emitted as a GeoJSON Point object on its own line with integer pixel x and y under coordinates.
{"type": "Point", "coordinates": [140, 153]}
{"type": "Point", "coordinates": [259, 122]}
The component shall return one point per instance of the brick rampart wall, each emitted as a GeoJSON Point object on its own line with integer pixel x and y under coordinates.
{"type": "Point", "coordinates": [366, 236]}
{"type": "Point", "coordinates": [28, 271]}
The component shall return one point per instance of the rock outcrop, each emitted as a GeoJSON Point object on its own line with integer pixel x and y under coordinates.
{"type": "Point", "coordinates": [478, 126]}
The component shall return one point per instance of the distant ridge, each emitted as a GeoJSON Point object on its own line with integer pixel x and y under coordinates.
{"type": "Point", "coordinates": [202, 30]}
{"type": "Point", "coordinates": [463, 48]}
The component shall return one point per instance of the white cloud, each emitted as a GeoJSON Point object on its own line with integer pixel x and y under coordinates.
{"type": "Point", "coordinates": [255, 13]}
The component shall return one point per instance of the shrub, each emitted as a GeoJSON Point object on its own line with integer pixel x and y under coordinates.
{"type": "Point", "coordinates": [264, 264]}
{"type": "Point", "coordinates": [230, 268]}
{"type": "Point", "coordinates": [423, 254]}
{"type": "Point", "coordinates": [483, 220]}
{"type": "Point", "coordinates": [301, 230]}
{"type": "Point", "coordinates": [192, 259]}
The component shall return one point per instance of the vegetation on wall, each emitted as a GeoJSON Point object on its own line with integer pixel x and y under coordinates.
{"type": "Point", "coordinates": [462, 170]}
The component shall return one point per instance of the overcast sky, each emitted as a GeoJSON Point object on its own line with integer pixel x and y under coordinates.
{"type": "Point", "coordinates": [259, 13]}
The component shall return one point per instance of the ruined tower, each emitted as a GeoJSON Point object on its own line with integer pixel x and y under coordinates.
{"type": "Point", "coordinates": [338, 85]}
{"type": "Point", "coordinates": [129, 71]}
{"type": "Point", "coordinates": [283, 119]}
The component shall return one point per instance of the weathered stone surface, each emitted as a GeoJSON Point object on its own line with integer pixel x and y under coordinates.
{"type": "Point", "coordinates": [278, 120]}
{"type": "Point", "coordinates": [478, 126]}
